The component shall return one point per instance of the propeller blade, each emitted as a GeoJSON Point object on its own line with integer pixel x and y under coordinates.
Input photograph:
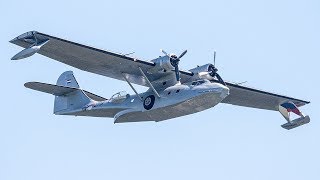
{"type": "Point", "coordinates": [220, 79]}
{"type": "Point", "coordinates": [176, 70]}
{"type": "Point", "coordinates": [214, 58]}
{"type": "Point", "coordinates": [182, 54]}
{"type": "Point", "coordinates": [164, 52]}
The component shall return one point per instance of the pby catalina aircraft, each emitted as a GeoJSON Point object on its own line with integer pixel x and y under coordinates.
{"type": "Point", "coordinates": [172, 92]}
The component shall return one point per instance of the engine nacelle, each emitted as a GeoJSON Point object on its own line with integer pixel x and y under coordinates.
{"type": "Point", "coordinates": [162, 64]}
{"type": "Point", "coordinates": [202, 72]}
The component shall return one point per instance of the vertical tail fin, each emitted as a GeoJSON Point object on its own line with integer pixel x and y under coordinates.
{"type": "Point", "coordinates": [71, 101]}
{"type": "Point", "coordinates": [67, 79]}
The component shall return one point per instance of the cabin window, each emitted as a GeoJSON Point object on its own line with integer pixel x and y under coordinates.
{"type": "Point", "coordinates": [178, 91]}
{"type": "Point", "coordinates": [169, 92]}
{"type": "Point", "coordinates": [201, 82]}
{"type": "Point", "coordinates": [196, 83]}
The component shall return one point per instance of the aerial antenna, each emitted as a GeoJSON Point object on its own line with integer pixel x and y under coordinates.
{"type": "Point", "coordinates": [129, 53]}
{"type": "Point", "coordinates": [243, 82]}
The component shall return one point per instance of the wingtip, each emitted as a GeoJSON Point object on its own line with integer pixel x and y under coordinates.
{"type": "Point", "coordinates": [27, 84]}
{"type": "Point", "coordinates": [12, 40]}
{"type": "Point", "coordinates": [28, 33]}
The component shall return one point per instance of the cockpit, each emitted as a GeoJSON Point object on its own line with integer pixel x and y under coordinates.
{"type": "Point", "coordinates": [198, 82]}
{"type": "Point", "coordinates": [119, 97]}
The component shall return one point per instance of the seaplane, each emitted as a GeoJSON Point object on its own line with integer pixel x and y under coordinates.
{"type": "Point", "coordinates": [171, 92]}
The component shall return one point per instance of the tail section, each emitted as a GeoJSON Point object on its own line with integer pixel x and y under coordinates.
{"type": "Point", "coordinates": [73, 100]}
{"type": "Point", "coordinates": [68, 96]}
{"type": "Point", "coordinates": [70, 102]}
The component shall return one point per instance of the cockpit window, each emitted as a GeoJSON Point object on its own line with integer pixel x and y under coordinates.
{"type": "Point", "coordinates": [196, 83]}
{"type": "Point", "coordinates": [119, 97]}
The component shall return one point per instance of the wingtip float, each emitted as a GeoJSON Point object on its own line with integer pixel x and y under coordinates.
{"type": "Point", "coordinates": [27, 52]}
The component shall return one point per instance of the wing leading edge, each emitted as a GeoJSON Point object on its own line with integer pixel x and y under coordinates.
{"type": "Point", "coordinates": [90, 59]}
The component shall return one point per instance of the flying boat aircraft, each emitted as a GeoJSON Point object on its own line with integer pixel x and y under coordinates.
{"type": "Point", "coordinates": [172, 92]}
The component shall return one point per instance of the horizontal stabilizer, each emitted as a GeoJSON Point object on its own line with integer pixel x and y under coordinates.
{"type": "Point", "coordinates": [296, 123]}
{"type": "Point", "coordinates": [59, 90]}
{"type": "Point", "coordinates": [50, 88]}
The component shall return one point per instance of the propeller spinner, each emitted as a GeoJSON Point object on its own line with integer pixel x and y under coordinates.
{"type": "Point", "coordinates": [174, 60]}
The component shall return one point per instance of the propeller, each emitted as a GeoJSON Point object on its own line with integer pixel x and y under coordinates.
{"type": "Point", "coordinates": [212, 70]}
{"type": "Point", "coordinates": [174, 60]}
{"type": "Point", "coordinates": [164, 52]}
{"type": "Point", "coordinates": [214, 58]}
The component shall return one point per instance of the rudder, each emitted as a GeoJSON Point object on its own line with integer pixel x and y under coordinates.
{"type": "Point", "coordinates": [67, 79]}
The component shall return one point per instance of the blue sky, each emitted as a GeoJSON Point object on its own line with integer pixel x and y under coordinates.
{"type": "Point", "coordinates": [274, 45]}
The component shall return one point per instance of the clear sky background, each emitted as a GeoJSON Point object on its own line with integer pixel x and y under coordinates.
{"type": "Point", "coordinates": [274, 45]}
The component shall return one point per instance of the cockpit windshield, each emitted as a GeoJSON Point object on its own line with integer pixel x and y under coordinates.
{"type": "Point", "coordinates": [198, 82]}
{"type": "Point", "coordinates": [119, 97]}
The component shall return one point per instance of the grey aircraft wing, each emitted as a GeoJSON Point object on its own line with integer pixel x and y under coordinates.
{"type": "Point", "coordinates": [254, 98]}
{"type": "Point", "coordinates": [94, 60]}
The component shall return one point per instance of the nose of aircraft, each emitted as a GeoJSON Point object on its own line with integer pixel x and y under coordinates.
{"type": "Point", "coordinates": [224, 90]}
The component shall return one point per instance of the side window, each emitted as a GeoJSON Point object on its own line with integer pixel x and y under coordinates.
{"type": "Point", "coordinates": [196, 83]}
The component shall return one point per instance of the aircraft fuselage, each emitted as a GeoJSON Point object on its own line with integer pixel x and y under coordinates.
{"type": "Point", "coordinates": [174, 101]}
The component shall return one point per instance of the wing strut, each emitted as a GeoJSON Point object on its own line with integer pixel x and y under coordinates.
{"type": "Point", "coordinates": [135, 91]}
{"type": "Point", "coordinates": [149, 83]}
